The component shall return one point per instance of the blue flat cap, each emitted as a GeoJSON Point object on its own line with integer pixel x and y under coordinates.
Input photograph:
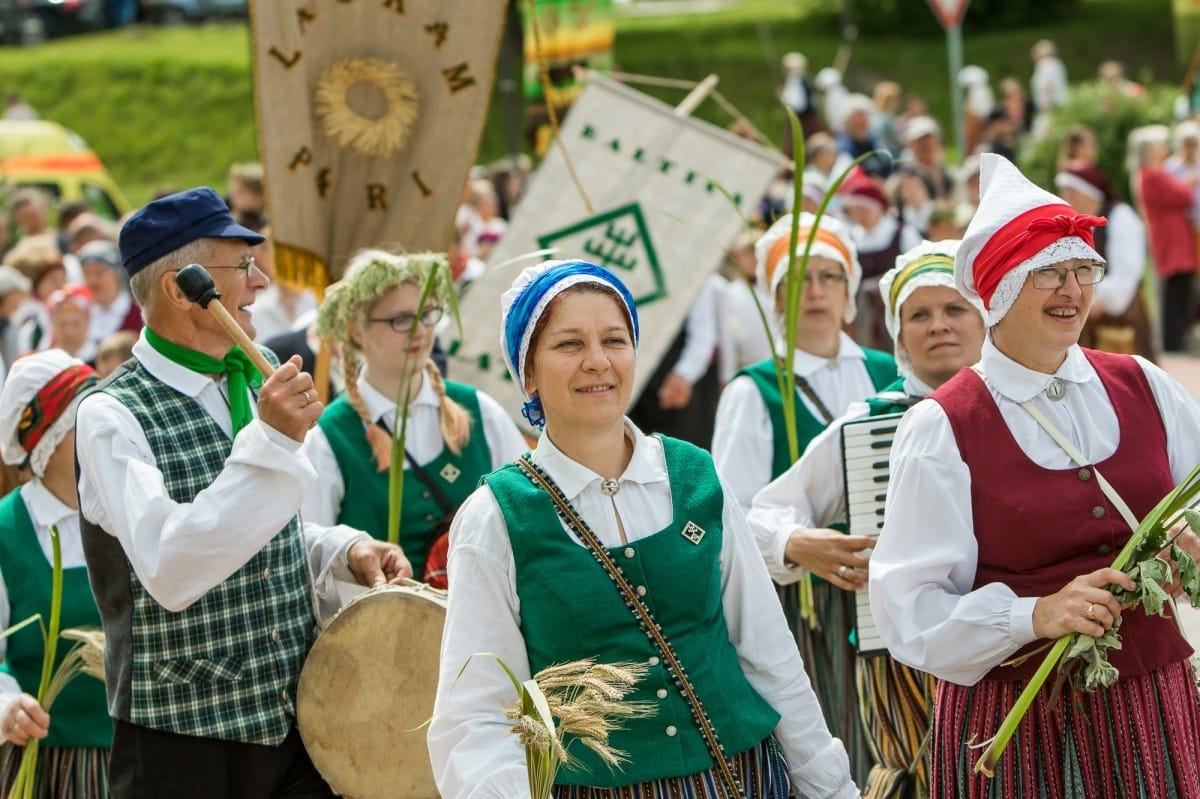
{"type": "Point", "coordinates": [167, 224]}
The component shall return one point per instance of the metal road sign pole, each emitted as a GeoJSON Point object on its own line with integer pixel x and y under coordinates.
{"type": "Point", "coordinates": [954, 47]}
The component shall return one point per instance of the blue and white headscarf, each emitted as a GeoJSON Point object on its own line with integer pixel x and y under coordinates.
{"type": "Point", "coordinates": [523, 304]}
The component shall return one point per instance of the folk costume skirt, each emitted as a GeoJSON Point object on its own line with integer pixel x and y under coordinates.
{"type": "Point", "coordinates": [1136, 739]}
{"type": "Point", "coordinates": [760, 770]}
{"type": "Point", "coordinates": [61, 773]}
{"type": "Point", "coordinates": [830, 660]}
{"type": "Point", "coordinates": [897, 713]}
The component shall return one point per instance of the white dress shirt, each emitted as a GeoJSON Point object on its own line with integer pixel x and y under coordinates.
{"type": "Point", "coordinates": [104, 321]}
{"type": "Point", "coordinates": [923, 566]}
{"type": "Point", "coordinates": [473, 751]}
{"type": "Point", "coordinates": [743, 439]}
{"type": "Point", "coordinates": [423, 439]}
{"type": "Point", "coordinates": [1125, 253]}
{"type": "Point", "coordinates": [271, 317]}
{"type": "Point", "coordinates": [745, 340]}
{"type": "Point", "coordinates": [179, 551]}
{"type": "Point", "coordinates": [45, 510]}
{"type": "Point", "coordinates": [811, 493]}
{"type": "Point", "coordinates": [702, 326]}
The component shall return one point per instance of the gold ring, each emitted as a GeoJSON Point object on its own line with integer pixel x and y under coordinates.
{"type": "Point", "coordinates": [1091, 615]}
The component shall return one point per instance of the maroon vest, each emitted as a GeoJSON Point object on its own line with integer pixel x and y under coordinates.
{"type": "Point", "coordinates": [1037, 529]}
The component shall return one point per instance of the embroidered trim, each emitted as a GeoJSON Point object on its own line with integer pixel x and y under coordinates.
{"type": "Point", "coordinates": [645, 619]}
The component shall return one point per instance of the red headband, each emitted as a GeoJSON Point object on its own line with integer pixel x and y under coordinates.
{"type": "Point", "coordinates": [50, 402]}
{"type": "Point", "coordinates": [1021, 238]}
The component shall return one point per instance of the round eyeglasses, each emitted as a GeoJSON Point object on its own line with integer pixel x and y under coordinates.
{"type": "Point", "coordinates": [1055, 277]}
{"type": "Point", "coordinates": [406, 322]}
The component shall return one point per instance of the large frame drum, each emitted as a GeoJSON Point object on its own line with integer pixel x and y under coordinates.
{"type": "Point", "coordinates": [367, 689]}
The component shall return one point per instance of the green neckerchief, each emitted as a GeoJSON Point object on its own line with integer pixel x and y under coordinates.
{"type": "Point", "coordinates": [239, 371]}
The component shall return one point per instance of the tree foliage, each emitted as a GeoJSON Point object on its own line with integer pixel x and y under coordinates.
{"type": "Point", "coordinates": [1111, 114]}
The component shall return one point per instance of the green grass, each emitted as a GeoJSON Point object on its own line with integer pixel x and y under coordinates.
{"type": "Point", "coordinates": [174, 106]}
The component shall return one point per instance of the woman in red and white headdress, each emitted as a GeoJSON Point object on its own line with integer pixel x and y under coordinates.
{"type": "Point", "coordinates": [997, 538]}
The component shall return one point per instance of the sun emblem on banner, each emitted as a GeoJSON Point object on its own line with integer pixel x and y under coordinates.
{"type": "Point", "coordinates": [367, 105]}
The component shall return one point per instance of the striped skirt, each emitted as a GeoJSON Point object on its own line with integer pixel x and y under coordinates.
{"type": "Point", "coordinates": [760, 770]}
{"type": "Point", "coordinates": [829, 659]}
{"type": "Point", "coordinates": [1140, 738]}
{"type": "Point", "coordinates": [61, 773]}
{"type": "Point", "coordinates": [897, 708]}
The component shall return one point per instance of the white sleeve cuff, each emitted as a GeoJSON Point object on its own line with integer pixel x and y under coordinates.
{"type": "Point", "coordinates": [1020, 619]}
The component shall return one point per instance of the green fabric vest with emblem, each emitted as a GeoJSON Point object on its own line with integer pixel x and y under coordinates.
{"type": "Point", "coordinates": [365, 502]}
{"type": "Point", "coordinates": [885, 402]}
{"type": "Point", "coordinates": [881, 368]}
{"type": "Point", "coordinates": [559, 584]}
{"type": "Point", "coordinates": [79, 717]}
{"type": "Point", "coordinates": [227, 665]}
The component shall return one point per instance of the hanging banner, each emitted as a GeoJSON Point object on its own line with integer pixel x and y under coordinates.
{"type": "Point", "coordinates": [663, 189]}
{"type": "Point", "coordinates": [369, 117]}
{"type": "Point", "coordinates": [575, 37]}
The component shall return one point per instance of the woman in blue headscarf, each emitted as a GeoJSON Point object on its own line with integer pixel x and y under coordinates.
{"type": "Point", "coordinates": [606, 544]}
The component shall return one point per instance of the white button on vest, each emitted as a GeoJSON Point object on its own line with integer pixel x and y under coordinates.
{"type": "Point", "coordinates": [266, 573]}
{"type": "Point", "coordinates": [641, 590]}
{"type": "Point", "coordinates": [274, 636]}
{"type": "Point", "coordinates": [630, 552]}
{"type": "Point", "coordinates": [671, 731]}
{"type": "Point", "coordinates": [653, 661]}
{"type": "Point", "coordinates": [662, 693]}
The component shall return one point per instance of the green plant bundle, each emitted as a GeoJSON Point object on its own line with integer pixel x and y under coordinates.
{"type": "Point", "coordinates": [1148, 557]}
{"type": "Point", "coordinates": [582, 698]}
{"type": "Point", "coordinates": [85, 657]}
{"type": "Point", "coordinates": [793, 288]}
{"type": "Point", "coordinates": [438, 275]}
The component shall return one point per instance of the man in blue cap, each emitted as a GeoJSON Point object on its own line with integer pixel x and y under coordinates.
{"type": "Point", "coordinates": [189, 489]}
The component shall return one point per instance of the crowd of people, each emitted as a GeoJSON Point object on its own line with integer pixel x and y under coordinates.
{"type": "Point", "coordinates": [208, 515]}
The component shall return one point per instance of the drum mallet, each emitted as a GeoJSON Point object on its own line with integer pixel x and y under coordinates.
{"type": "Point", "coordinates": [197, 285]}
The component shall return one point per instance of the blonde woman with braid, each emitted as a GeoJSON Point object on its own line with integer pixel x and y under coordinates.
{"type": "Point", "coordinates": [455, 434]}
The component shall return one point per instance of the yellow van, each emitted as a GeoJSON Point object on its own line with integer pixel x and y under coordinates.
{"type": "Point", "coordinates": [47, 156]}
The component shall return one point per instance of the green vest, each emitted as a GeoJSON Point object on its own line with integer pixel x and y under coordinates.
{"type": "Point", "coordinates": [881, 368]}
{"type": "Point", "coordinates": [78, 718]}
{"type": "Point", "coordinates": [365, 503]}
{"type": "Point", "coordinates": [893, 399]}
{"type": "Point", "coordinates": [570, 610]}
{"type": "Point", "coordinates": [226, 666]}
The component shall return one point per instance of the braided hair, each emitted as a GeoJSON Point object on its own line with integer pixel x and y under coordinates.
{"type": "Point", "coordinates": [370, 275]}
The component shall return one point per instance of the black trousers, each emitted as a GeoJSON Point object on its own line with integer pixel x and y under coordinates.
{"type": "Point", "coordinates": [152, 764]}
{"type": "Point", "coordinates": [1176, 311]}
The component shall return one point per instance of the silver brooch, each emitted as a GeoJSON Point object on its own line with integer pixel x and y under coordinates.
{"type": "Point", "coordinates": [1056, 389]}
{"type": "Point", "coordinates": [609, 487]}
{"type": "Point", "coordinates": [450, 472]}
{"type": "Point", "coordinates": [692, 532]}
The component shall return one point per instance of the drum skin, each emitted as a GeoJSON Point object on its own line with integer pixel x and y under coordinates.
{"type": "Point", "coordinates": [367, 690]}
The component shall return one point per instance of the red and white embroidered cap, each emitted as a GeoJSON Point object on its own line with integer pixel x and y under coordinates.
{"type": "Point", "coordinates": [1019, 227]}
{"type": "Point", "coordinates": [27, 378]}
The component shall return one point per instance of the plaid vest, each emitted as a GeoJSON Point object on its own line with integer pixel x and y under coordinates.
{"type": "Point", "coordinates": [226, 667]}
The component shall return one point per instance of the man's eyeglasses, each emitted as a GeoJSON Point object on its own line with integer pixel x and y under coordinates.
{"type": "Point", "coordinates": [826, 280]}
{"type": "Point", "coordinates": [1055, 277]}
{"type": "Point", "coordinates": [404, 322]}
{"type": "Point", "coordinates": [247, 267]}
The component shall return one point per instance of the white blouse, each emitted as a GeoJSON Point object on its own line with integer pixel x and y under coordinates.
{"type": "Point", "coordinates": [811, 493]}
{"type": "Point", "coordinates": [423, 439]}
{"type": "Point", "coordinates": [473, 751]}
{"type": "Point", "coordinates": [923, 566]}
{"type": "Point", "coordinates": [744, 441]}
